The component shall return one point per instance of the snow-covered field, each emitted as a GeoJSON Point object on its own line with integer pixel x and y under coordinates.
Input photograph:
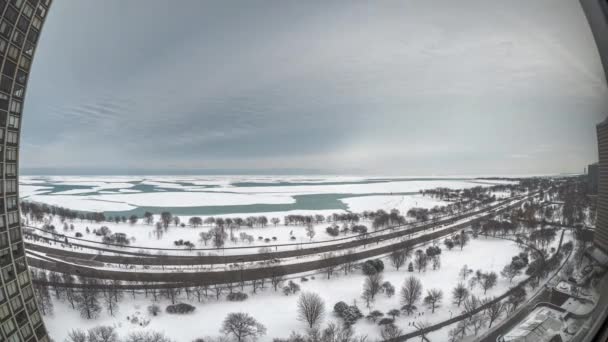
{"type": "Point", "coordinates": [278, 312]}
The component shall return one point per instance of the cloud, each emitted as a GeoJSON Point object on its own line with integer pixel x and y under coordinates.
{"type": "Point", "coordinates": [398, 87]}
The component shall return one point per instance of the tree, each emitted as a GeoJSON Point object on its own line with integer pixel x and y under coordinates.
{"type": "Point", "coordinates": [165, 218]}
{"type": "Point", "coordinates": [103, 334]}
{"type": "Point", "coordinates": [465, 271]}
{"type": "Point", "coordinates": [77, 335]}
{"type": "Point", "coordinates": [411, 290]}
{"type": "Point", "coordinates": [205, 237]}
{"type": "Point", "coordinates": [477, 321]}
{"type": "Point", "coordinates": [87, 302]}
{"type": "Point", "coordinates": [394, 313]}
{"type": "Point", "coordinates": [310, 231]}
{"type": "Point", "coordinates": [148, 336]}
{"type": "Point", "coordinates": [463, 239]}
{"type": "Point", "coordinates": [510, 272]}
{"type": "Point", "coordinates": [311, 308]}
{"type": "Point", "coordinates": [517, 296]}
{"type": "Point", "coordinates": [420, 260]}
{"type": "Point", "coordinates": [488, 281]}
{"type": "Point", "coordinates": [399, 257]}
{"type": "Point", "coordinates": [148, 217]}
{"type": "Point", "coordinates": [133, 219]}
{"type": "Point", "coordinates": [390, 332]}
{"type": "Point", "coordinates": [373, 284]}
{"type": "Point", "coordinates": [388, 289]}
{"type": "Point", "coordinates": [459, 294]}
{"type": "Point", "coordinates": [195, 221]}
{"type": "Point", "coordinates": [494, 311]}
{"type": "Point", "coordinates": [433, 298]}
{"type": "Point", "coordinates": [242, 326]}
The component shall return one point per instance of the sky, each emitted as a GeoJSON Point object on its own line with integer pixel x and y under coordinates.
{"type": "Point", "coordinates": [411, 87]}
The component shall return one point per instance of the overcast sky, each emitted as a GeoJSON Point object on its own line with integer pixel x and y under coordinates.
{"type": "Point", "coordinates": [392, 87]}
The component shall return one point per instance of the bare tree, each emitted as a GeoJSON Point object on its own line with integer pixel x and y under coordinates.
{"type": "Point", "coordinates": [373, 284]}
{"type": "Point", "coordinates": [488, 281]}
{"type": "Point", "coordinates": [242, 326]}
{"type": "Point", "coordinates": [311, 308]}
{"type": "Point", "coordinates": [399, 257]}
{"type": "Point", "coordinates": [477, 321]}
{"type": "Point", "coordinates": [459, 294]}
{"type": "Point", "coordinates": [433, 298]}
{"type": "Point", "coordinates": [510, 272]}
{"type": "Point", "coordinates": [411, 290]}
{"type": "Point", "coordinates": [77, 335]}
{"type": "Point", "coordinates": [103, 334]}
{"type": "Point", "coordinates": [390, 332]}
{"type": "Point", "coordinates": [87, 302]}
{"type": "Point", "coordinates": [494, 311]}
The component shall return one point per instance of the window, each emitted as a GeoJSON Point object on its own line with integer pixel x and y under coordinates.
{"type": "Point", "coordinates": [13, 218]}
{"type": "Point", "coordinates": [32, 36]}
{"type": "Point", "coordinates": [16, 303]}
{"type": "Point", "coordinates": [23, 280]}
{"type": "Point", "coordinates": [3, 101]}
{"type": "Point", "coordinates": [14, 338]}
{"type": "Point", "coordinates": [9, 274]}
{"type": "Point", "coordinates": [9, 68]}
{"type": "Point", "coordinates": [17, 3]}
{"type": "Point", "coordinates": [5, 84]}
{"type": "Point", "coordinates": [11, 14]}
{"type": "Point", "coordinates": [11, 137]}
{"type": "Point", "coordinates": [23, 24]}
{"type": "Point", "coordinates": [14, 234]}
{"type": "Point", "coordinates": [11, 154]}
{"type": "Point", "coordinates": [3, 45]}
{"type": "Point", "coordinates": [11, 170]}
{"type": "Point", "coordinates": [41, 11]}
{"type": "Point", "coordinates": [2, 296]}
{"type": "Point", "coordinates": [5, 29]}
{"type": "Point", "coordinates": [28, 49]}
{"type": "Point", "coordinates": [18, 91]}
{"type": "Point", "coordinates": [8, 327]}
{"type": "Point", "coordinates": [26, 330]}
{"type": "Point", "coordinates": [18, 38]}
{"type": "Point", "coordinates": [36, 22]}
{"type": "Point", "coordinates": [4, 312]}
{"type": "Point", "coordinates": [11, 203]}
{"type": "Point", "coordinates": [28, 11]}
{"type": "Point", "coordinates": [3, 242]}
{"type": "Point", "coordinates": [21, 77]}
{"type": "Point", "coordinates": [35, 317]}
{"type": "Point", "coordinates": [5, 258]}
{"type": "Point", "coordinates": [31, 307]}
{"type": "Point", "coordinates": [25, 63]}
{"type": "Point", "coordinates": [13, 52]}
{"type": "Point", "coordinates": [15, 108]}
{"type": "Point", "coordinates": [11, 186]}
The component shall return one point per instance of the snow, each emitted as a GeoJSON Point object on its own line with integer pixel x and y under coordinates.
{"type": "Point", "coordinates": [278, 312]}
{"type": "Point", "coordinates": [360, 204]}
{"type": "Point", "coordinates": [85, 203]}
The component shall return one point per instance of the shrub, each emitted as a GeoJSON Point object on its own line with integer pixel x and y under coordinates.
{"type": "Point", "coordinates": [181, 308]}
{"type": "Point", "coordinates": [385, 321]}
{"type": "Point", "coordinates": [237, 296]}
{"type": "Point", "coordinates": [78, 235]}
{"type": "Point", "coordinates": [154, 309]}
{"type": "Point", "coordinates": [372, 267]}
{"type": "Point", "coordinates": [340, 308]}
{"type": "Point", "coordinates": [333, 231]}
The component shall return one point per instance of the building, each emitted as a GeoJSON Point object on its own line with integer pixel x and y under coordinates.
{"type": "Point", "coordinates": [20, 25]}
{"type": "Point", "coordinates": [593, 178]}
{"type": "Point", "coordinates": [600, 237]}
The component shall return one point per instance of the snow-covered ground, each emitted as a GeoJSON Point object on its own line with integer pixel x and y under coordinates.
{"type": "Point", "coordinates": [278, 312]}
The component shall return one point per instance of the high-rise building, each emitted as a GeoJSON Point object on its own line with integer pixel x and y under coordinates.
{"type": "Point", "coordinates": [20, 25]}
{"type": "Point", "coordinates": [600, 238]}
{"type": "Point", "coordinates": [593, 174]}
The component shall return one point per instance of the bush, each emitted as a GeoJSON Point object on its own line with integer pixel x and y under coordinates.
{"type": "Point", "coordinates": [332, 231]}
{"type": "Point", "coordinates": [154, 309]}
{"type": "Point", "coordinates": [78, 235]}
{"type": "Point", "coordinates": [372, 267]}
{"type": "Point", "coordinates": [340, 308]}
{"type": "Point", "coordinates": [181, 308]}
{"type": "Point", "coordinates": [237, 296]}
{"type": "Point", "coordinates": [385, 321]}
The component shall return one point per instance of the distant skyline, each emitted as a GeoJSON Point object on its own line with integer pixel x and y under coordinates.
{"type": "Point", "coordinates": [390, 88]}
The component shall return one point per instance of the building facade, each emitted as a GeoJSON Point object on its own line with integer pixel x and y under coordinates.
{"type": "Point", "coordinates": [600, 237]}
{"type": "Point", "coordinates": [20, 25]}
{"type": "Point", "coordinates": [593, 174]}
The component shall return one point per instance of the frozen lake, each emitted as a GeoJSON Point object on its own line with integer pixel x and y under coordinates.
{"type": "Point", "coordinates": [233, 195]}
